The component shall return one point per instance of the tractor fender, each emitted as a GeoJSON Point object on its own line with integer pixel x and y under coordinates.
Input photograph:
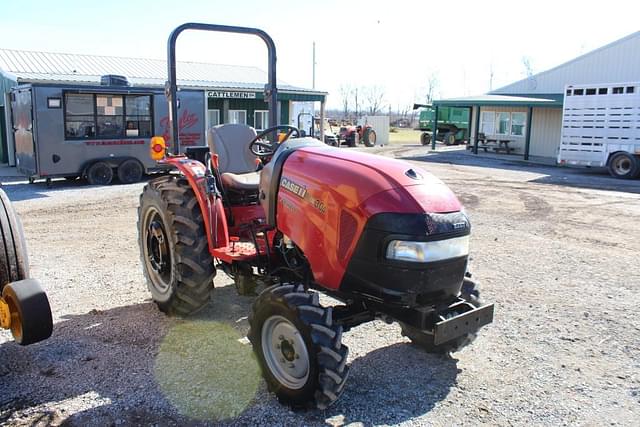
{"type": "Point", "coordinates": [213, 214]}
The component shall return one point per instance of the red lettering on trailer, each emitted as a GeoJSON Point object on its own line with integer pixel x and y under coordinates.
{"type": "Point", "coordinates": [117, 142]}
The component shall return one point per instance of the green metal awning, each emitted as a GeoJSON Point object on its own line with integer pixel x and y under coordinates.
{"type": "Point", "coordinates": [500, 100]}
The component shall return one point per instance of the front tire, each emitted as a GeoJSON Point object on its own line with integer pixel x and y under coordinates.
{"type": "Point", "coordinates": [424, 340]}
{"type": "Point", "coordinates": [298, 347]}
{"type": "Point", "coordinates": [173, 246]}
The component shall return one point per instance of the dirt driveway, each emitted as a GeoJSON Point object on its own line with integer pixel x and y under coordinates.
{"type": "Point", "coordinates": [556, 250]}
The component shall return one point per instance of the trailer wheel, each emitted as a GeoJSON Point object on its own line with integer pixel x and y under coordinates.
{"type": "Point", "coordinates": [173, 246]}
{"type": "Point", "coordinates": [30, 311]}
{"type": "Point", "coordinates": [624, 165]}
{"type": "Point", "coordinates": [130, 171]}
{"type": "Point", "coordinates": [298, 347]}
{"type": "Point", "coordinates": [99, 173]}
{"type": "Point", "coordinates": [369, 137]}
{"type": "Point", "coordinates": [423, 339]}
{"type": "Point", "coordinates": [425, 138]}
{"type": "Point", "coordinates": [14, 261]}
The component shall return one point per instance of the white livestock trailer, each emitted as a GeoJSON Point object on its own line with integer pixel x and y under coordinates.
{"type": "Point", "coordinates": [601, 128]}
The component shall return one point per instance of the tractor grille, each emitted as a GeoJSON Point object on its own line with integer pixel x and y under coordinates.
{"type": "Point", "coordinates": [348, 228]}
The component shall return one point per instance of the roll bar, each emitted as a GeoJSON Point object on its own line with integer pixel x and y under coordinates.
{"type": "Point", "coordinates": [171, 87]}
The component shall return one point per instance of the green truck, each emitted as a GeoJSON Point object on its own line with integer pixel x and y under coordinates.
{"type": "Point", "coordinates": [453, 124]}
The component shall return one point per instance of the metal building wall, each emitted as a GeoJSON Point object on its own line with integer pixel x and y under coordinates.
{"type": "Point", "coordinates": [545, 132]}
{"type": "Point", "coordinates": [614, 63]}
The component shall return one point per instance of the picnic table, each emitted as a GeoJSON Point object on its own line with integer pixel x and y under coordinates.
{"type": "Point", "coordinates": [497, 144]}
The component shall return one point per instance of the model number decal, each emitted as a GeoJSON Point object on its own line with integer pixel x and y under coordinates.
{"type": "Point", "coordinates": [318, 204]}
{"type": "Point", "coordinates": [297, 189]}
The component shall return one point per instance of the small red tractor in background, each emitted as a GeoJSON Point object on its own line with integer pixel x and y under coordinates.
{"type": "Point", "coordinates": [385, 238]}
{"type": "Point", "coordinates": [353, 135]}
{"type": "Point", "coordinates": [24, 306]}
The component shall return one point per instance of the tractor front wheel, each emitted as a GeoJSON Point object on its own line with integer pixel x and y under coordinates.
{"type": "Point", "coordinates": [424, 339]}
{"type": "Point", "coordinates": [298, 347]}
{"type": "Point", "coordinates": [173, 246]}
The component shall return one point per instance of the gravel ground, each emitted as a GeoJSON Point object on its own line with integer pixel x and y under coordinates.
{"type": "Point", "coordinates": [556, 250]}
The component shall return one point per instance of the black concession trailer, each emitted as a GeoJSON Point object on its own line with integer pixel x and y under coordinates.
{"type": "Point", "coordinates": [98, 132]}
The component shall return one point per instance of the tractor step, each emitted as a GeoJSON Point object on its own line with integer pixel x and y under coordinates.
{"type": "Point", "coordinates": [236, 251]}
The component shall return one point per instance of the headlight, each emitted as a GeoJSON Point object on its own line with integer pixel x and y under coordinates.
{"type": "Point", "coordinates": [428, 251]}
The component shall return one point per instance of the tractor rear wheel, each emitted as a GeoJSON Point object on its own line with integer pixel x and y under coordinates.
{"type": "Point", "coordinates": [29, 310]}
{"type": "Point", "coordinates": [424, 340]}
{"type": "Point", "coordinates": [369, 137]}
{"type": "Point", "coordinates": [14, 262]}
{"type": "Point", "coordinates": [298, 347]}
{"type": "Point", "coordinates": [173, 246]}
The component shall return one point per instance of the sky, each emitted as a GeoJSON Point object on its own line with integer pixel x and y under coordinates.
{"type": "Point", "coordinates": [396, 46]}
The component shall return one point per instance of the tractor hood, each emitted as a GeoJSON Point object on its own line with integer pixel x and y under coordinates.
{"type": "Point", "coordinates": [380, 184]}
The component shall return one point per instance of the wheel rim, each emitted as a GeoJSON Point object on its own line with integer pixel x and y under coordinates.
{"type": "Point", "coordinates": [622, 166]}
{"type": "Point", "coordinates": [16, 320]}
{"type": "Point", "coordinates": [285, 352]}
{"type": "Point", "coordinates": [101, 174]}
{"type": "Point", "coordinates": [131, 173]}
{"type": "Point", "coordinates": [157, 251]}
{"type": "Point", "coordinates": [372, 137]}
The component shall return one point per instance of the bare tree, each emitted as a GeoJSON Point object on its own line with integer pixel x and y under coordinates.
{"type": "Point", "coordinates": [432, 85]}
{"type": "Point", "coordinates": [528, 68]}
{"type": "Point", "coordinates": [491, 77]}
{"type": "Point", "coordinates": [346, 92]}
{"type": "Point", "coordinates": [374, 97]}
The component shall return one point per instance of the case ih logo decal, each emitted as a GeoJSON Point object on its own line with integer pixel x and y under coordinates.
{"type": "Point", "coordinates": [297, 189]}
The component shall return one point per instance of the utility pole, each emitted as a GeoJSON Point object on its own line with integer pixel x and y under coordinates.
{"type": "Point", "coordinates": [313, 85]}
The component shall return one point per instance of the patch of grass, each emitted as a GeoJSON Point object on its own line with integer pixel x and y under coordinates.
{"type": "Point", "coordinates": [405, 136]}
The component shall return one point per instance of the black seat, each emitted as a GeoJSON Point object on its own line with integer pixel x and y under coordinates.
{"type": "Point", "coordinates": [237, 163]}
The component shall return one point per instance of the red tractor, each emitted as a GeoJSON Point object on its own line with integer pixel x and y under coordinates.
{"type": "Point", "coordinates": [352, 135]}
{"type": "Point", "coordinates": [382, 236]}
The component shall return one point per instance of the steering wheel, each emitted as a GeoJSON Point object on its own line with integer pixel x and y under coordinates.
{"type": "Point", "coordinates": [263, 148]}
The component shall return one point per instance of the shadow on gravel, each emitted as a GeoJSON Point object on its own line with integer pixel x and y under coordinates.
{"type": "Point", "coordinates": [594, 178]}
{"type": "Point", "coordinates": [103, 368]}
{"type": "Point", "coordinates": [391, 385]}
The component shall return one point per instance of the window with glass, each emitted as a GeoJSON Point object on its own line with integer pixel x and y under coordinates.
{"type": "Point", "coordinates": [107, 116]}
{"type": "Point", "coordinates": [487, 122]}
{"type": "Point", "coordinates": [261, 119]}
{"type": "Point", "coordinates": [213, 117]}
{"type": "Point", "coordinates": [502, 123]}
{"type": "Point", "coordinates": [238, 116]}
{"type": "Point", "coordinates": [518, 121]}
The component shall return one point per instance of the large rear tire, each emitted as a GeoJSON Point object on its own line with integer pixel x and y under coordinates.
{"type": "Point", "coordinates": [369, 137]}
{"type": "Point", "coordinates": [424, 339]}
{"type": "Point", "coordinates": [14, 261]}
{"type": "Point", "coordinates": [624, 165]}
{"type": "Point", "coordinates": [173, 246]}
{"type": "Point", "coordinates": [298, 347]}
{"type": "Point", "coordinates": [30, 311]}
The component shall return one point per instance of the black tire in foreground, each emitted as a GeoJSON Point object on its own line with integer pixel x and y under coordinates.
{"type": "Point", "coordinates": [424, 340]}
{"type": "Point", "coordinates": [173, 246]}
{"type": "Point", "coordinates": [369, 137]}
{"type": "Point", "coordinates": [130, 171]}
{"type": "Point", "coordinates": [30, 311]}
{"type": "Point", "coordinates": [99, 173]}
{"type": "Point", "coordinates": [299, 348]}
{"type": "Point", "coordinates": [624, 165]}
{"type": "Point", "coordinates": [14, 261]}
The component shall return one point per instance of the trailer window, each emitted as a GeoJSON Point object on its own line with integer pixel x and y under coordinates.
{"type": "Point", "coordinates": [591, 91]}
{"type": "Point", "coordinates": [79, 116]}
{"type": "Point", "coordinates": [109, 109]}
{"type": "Point", "coordinates": [578, 91]}
{"type": "Point", "coordinates": [138, 115]}
{"type": "Point", "coordinates": [618, 90]}
{"type": "Point", "coordinates": [630, 89]}
{"type": "Point", "coordinates": [602, 91]}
